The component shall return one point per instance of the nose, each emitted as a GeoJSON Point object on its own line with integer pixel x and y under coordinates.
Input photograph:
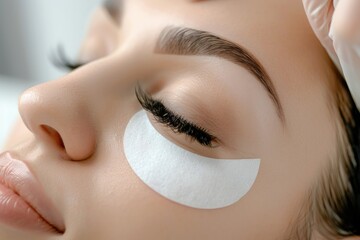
{"type": "Point", "coordinates": [54, 114]}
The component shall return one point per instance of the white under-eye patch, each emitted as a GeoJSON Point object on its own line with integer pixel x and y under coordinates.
{"type": "Point", "coordinates": [182, 176]}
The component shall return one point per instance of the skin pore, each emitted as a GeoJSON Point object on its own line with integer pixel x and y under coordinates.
{"type": "Point", "coordinates": [77, 122]}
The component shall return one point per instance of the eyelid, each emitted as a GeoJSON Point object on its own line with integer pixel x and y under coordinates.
{"type": "Point", "coordinates": [174, 121]}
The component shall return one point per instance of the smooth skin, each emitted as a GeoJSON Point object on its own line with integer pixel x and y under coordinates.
{"type": "Point", "coordinates": [90, 181]}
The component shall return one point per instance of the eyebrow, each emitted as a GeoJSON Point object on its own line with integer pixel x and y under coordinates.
{"type": "Point", "coordinates": [188, 41]}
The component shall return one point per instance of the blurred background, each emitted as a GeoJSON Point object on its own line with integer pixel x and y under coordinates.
{"type": "Point", "coordinates": [29, 32]}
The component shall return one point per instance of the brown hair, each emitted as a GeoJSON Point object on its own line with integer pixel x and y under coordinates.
{"type": "Point", "coordinates": [331, 209]}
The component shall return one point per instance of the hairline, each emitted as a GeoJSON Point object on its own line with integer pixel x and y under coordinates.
{"type": "Point", "coordinates": [318, 212]}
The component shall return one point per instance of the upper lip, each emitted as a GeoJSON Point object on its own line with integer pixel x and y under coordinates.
{"type": "Point", "coordinates": [16, 175]}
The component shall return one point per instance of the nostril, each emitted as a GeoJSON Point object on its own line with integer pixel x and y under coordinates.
{"type": "Point", "coordinates": [54, 136]}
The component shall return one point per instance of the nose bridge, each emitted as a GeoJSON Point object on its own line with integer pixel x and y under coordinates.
{"type": "Point", "coordinates": [108, 84]}
{"type": "Point", "coordinates": [117, 72]}
{"type": "Point", "coordinates": [71, 107]}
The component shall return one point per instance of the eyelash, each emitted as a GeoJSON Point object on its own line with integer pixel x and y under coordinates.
{"type": "Point", "coordinates": [174, 121]}
{"type": "Point", "coordinates": [59, 59]}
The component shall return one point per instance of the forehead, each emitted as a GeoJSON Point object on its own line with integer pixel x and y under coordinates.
{"type": "Point", "coordinates": [282, 40]}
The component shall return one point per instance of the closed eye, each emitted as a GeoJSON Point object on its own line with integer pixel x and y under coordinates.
{"type": "Point", "coordinates": [175, 122]}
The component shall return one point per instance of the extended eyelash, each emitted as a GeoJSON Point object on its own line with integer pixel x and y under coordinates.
{"type": "Point", "coordinates": [172, 120]}
{"type": "Point", "coordinates": [59, 59]}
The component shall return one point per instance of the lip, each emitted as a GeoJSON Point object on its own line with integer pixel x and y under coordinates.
{"type": "Point", "coordinates": [23, 203]}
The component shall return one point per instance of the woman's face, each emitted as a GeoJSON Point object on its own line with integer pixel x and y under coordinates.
{"type": "Point", "coordinates": [284, 119]}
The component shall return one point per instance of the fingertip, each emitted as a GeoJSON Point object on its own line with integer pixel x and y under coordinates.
{"type": "Point", "coordinates": [346, 22]}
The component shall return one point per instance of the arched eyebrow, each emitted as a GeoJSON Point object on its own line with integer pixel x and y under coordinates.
{"type": "Point", "coordinates": [188, 41]}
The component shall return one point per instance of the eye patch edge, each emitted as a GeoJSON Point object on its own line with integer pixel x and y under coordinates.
{"type": "Point", "coordinates": [182, 176]}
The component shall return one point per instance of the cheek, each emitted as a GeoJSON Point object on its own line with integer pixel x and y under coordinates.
{"type": "Point", "coordinates": [182, 176]}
